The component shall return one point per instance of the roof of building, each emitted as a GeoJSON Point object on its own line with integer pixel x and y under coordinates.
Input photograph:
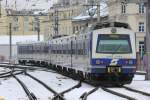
{"type": "Point", "coordinates": [37, 6]}
{"type": "Point", "coordinates": [85, 15]}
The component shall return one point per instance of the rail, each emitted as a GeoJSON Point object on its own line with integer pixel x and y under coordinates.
{"type": "Point", "coordinates": [30, 95]}
{"type": "Point", "coordinates": [118, 94]}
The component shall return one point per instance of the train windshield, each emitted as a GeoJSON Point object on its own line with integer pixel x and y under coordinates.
{"type": "Point", "coordinates": [113, 44]}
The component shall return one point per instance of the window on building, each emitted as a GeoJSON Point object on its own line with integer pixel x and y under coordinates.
{"type": "Point", "coordinates": [141, 26]}
{"type": "Point", "coordinates": [74, 29]}
{"type": "Point", "coordinates": [26, 19]}
{"type": "Point", "coordinates": [15, 19]}
{"type": "Point", "coordinates": [141, 8]}
{"type": "Point", "coordinates": [123, 8]}
{"type": "Point", "coordinates": [141, 49]}
{"type": "Point", "coordinates": [64, 15]}
{"type": "Point", "coordinates": [77, 28]}
{"type": "Point", "coordinates": [15, 28]}
{"type": "Point", "coordinates": [26, 26]}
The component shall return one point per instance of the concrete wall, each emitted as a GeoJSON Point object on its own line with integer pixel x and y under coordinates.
{"type": "Point", "coordinates": [4, 52]}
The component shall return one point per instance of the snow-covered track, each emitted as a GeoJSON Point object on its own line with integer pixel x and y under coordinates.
{"type": "Point", "coordinates": [9, 74]}
{"type": "Point", "coordinates": [68, 90]}
{"type": "Point", "coordinates": [137, 91]}
{"type": "Point", "coordinates": [47, 87]}
{"type": "Point", "coordinates": [25, 67]}
{"type": "Point", "coordinates": [118, 94]}
{"type": "Point", "coordinates": [30, 95]}
{"type": "Point", "coordinates": [86, 94]}
{"type": "Point", "coordinates": [1, 74]}
{"type": "Point", "coordinates": [57, 96]}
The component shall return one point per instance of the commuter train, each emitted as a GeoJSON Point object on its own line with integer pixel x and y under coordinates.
{"type": "Point", "coordinates": [105, 53]}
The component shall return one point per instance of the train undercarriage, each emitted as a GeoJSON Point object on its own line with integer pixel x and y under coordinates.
{"type": "Point", "coordinates": [107, 79]}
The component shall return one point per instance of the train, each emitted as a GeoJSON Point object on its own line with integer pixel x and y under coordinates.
{"type": "Point", "coordinates": [103, 53]}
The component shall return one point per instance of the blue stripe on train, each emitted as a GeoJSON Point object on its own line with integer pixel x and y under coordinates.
{"type": "Point", "coordinates": [106, 62]}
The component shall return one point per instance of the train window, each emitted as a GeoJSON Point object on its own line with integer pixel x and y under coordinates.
{"type": "Point", "coordinates": [73, 48]}
{"type": "Point", "coordinates": [19, 49]}
{"type": "Point", "coordinates": [45, 49]}
{"type": "Point", "coordinates": [113, 45]}
{"type": "Point", "coordinates": [84, 48]}
{"type": "Point", "coordinates": [61, 48]}
{"type": "Point", "coordinates": [75, 38]}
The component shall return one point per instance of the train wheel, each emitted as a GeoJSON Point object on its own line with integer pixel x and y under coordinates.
{"type": "Point", "coordinates": [80, 75]}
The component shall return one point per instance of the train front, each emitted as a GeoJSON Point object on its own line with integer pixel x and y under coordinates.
{"type": "Point", "coordinates": [113, 55]}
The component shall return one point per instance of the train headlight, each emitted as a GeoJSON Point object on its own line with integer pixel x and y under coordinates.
{"type": "Point", "coordinates": [131, 62]}
{"type": "Point", "coordinates": [98, 62]}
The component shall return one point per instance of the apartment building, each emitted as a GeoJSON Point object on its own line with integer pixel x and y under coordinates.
{"type": "Point", "coordinates": [61, 18]}
{"type": "Point", "coordinates": [135, 15]}
{"type": "Point", "coordinates": [23, 22]}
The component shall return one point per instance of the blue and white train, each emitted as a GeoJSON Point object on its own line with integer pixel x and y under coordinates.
{"type": "Point", "coordinates": [106, 54]}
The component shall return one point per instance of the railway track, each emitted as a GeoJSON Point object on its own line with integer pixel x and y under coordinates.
{"type": "Point", "coordinates": [118, 94]}
{"type": "Point", "coordinates": [8, 74]}
{"type": "Point", "coordinates": [30, 95]}
{"type": "Point", "coordinates": [60, 96]}
{"type": "Point", "coordinates": [57, 96]}
{"type": "Point", "coordinates": [85, 95]}
{"type": "Point", "coordinates": [137, 91]}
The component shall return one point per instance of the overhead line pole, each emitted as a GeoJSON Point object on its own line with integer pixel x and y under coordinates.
{"type": "Point", "coordinates": [98, 10]}
{"type": "Point", "coordinates": [56, 21]}
{"type": "Point", "coordinates": [0, 9]}
{"type": "Point", "coordinates": [148, 38]}
{"type": "Point", "coordinates": [10, 42]}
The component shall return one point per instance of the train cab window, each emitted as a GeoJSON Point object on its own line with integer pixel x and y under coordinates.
{"type": "Point", "coordinates": [113, 44]}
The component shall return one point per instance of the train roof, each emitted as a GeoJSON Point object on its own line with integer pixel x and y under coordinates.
{"type": "Point", "coordinates": [31, 42]}
{"type": "Point", "coordinates": [110, 24]}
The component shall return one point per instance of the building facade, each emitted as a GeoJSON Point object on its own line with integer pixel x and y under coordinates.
{"type": "Point", "coordinates": [135, 15]}
{"type": "Point", "coordinates": [61, 20]}
{"type": "Point", "coordinates": [4, 23]}
{"type": "Point", "coordinates": [22, 22]}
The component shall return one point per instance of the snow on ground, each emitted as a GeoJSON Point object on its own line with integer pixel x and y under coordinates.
{"type": "Point", "coordinates": [33, 86]}
{"type": "Point", "coordinates": [76, 93]}
{"type": "Point", "coordinates": [10, 89]}
{"type": "Point", "coordinates": [100, 94]}
{"type": "Point", "coordinates": [58, 82]}
{"type": "Point", "coordinates": [85, 15]}
{"type": "Point", "coordinates": [137, 96]}
{"type": "Point", "coordinates": [3, 70]}
{"type": "Point", "coordinates": [141, 85]}
{"type": "Point", "coordinates": [139, 77]}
